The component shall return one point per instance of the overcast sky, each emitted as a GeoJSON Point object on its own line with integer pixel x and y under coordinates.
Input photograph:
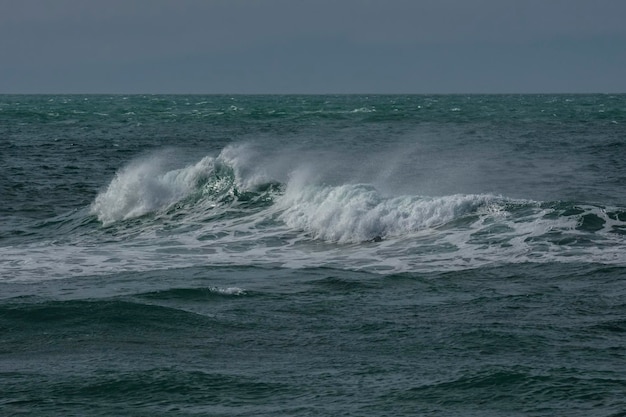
{"type": "Point", "coordinates": [312, 46]}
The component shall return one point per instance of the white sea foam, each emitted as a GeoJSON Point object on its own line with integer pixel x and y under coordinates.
{"type": "Point", "coordinates": [228, 291]}
{"type": "Point", "coordinates": [478, 237]}
{"type": "Point", "coordinates": [357, 213]}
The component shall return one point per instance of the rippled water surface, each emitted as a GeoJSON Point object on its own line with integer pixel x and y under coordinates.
{"type": "Point", "coordinates": [313, 255]}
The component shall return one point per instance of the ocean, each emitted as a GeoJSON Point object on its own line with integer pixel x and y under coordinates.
{"type": "Point", "coordinates": [302, 255]}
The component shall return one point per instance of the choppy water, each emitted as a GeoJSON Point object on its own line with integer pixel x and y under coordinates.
{"type": "Point", "coordinates": [313, 255]}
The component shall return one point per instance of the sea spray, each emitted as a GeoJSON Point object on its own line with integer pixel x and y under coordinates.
{"type": "Point", "coordinates": [146, 185]}
{"type": "Point", "coordinates": [149, 184]}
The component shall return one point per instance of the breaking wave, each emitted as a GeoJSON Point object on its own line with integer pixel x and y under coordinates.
{"type": "Point", "coordinates": [235, 184]}
{"type": "Point", "coordinates": [237, 208]}
{"type": "Point", "coordinates": [345, 213]}
{"type": "Point", "coordinates": [357, 213]}
{"type": "Point", "coordinates": [147, 185]}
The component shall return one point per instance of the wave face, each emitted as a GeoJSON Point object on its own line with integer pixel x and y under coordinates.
{"type": "Point", "coordinates": [144, 187]}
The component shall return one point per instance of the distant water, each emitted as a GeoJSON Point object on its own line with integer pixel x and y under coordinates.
{"type": "Point", "coordinates": [313, 255]}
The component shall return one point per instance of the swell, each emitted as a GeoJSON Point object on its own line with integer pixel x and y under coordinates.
{"type": "Point", "coordinates": [162, 390]}
{"type": "Point", "coordinates": [43, 327]}
{"type": "Point", "coordinates": [91, 316]}
{"type": "Point", "coordinates": [523, 386]}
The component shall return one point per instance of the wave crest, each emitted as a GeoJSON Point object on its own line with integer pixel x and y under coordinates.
{"type": "Point", "coordinates": [147, 185]}
{"type": "Point", "coordinates": [343, 213]}
{"type": "Point", "coordinates": [357, 213]}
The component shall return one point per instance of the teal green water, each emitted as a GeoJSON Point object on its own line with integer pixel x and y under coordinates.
{"type": "Point", "coordinates": [313, 255]}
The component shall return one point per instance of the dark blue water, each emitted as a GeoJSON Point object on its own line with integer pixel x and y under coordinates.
{"type": "Point", "coordinates": [313, 255]}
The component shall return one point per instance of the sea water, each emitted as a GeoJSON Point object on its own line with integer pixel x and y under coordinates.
{"type": "Point", "coordinates": [313, 255]}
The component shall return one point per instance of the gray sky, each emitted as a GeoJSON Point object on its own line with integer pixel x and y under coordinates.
{"type": "Point", "coordinates": [312, 46]}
